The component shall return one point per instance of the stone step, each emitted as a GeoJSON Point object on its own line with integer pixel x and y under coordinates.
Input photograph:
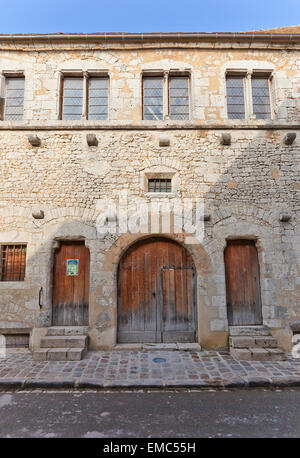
{"type": "Point", "coordinates": [252, 341]}
{"type": "Point", "coordinates": [67, 331]}
{"type": "Point", "coordinates": [259, 330]}
{"type": "Point", "coordinates": [59, 354]}
{"type": "Point", "coordinates": [64, 342]}
{"type": "Point", "coordinates": [258, 354]}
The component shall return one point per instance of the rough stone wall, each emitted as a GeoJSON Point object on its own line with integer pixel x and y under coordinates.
{"type": "Point", "coordinates": [245, 186]}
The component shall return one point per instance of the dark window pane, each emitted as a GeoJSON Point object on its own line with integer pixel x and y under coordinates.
{"type": "Point", "coordinates": [179, 97]}
{"type": "Point", "coordinates": [72, 98]}
{"type": "Point", "coordinates": [261, 97]}
{"type": "Point", "coordinates": [235, 97]}
{"type": "Point", "coordinates": [98, 98]}
{"type": "Point", "coordinates": [153, 98]}
{"type": "Point", "coordinates": [14, 98]}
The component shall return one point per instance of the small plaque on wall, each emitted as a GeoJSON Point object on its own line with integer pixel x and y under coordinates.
{"type": "Point", "coordinates": [72, 267]}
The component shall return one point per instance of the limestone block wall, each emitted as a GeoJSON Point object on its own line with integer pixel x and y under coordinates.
{"type": "Point", "coordinates": [245, 187]}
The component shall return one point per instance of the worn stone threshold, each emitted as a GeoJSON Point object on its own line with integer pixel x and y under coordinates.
{"type": "Point", "coordinates": [158, 346]}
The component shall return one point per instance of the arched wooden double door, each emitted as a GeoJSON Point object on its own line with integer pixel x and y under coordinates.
{"type": "Point", "coordinates": [156, 293]}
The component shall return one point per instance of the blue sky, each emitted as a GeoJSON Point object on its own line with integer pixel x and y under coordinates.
{"type": "Point", "coordinates": [42, 16]}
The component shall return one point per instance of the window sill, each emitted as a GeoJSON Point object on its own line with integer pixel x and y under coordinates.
{"type": "Point", "coordinates": [160, 195]}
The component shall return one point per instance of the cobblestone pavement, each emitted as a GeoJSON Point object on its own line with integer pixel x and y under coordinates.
{"type": "Point", "coordinates": [145, 369]}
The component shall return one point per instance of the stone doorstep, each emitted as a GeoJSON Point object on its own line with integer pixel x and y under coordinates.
{"type": "Point", "coordinates": [159, 346]}
{"type": "Point", "coordinates": [251, 331]}
{"type": "Point", "coordinates": [64, 341]}
{"type": "Point", "coordinates": [67, 331]}
{"type": "Point", "coordinates": [252, 341]}
{"type": "Point", "coordinates": [257, 354]}
{"type": "Point", "coordinates": [59, 354]}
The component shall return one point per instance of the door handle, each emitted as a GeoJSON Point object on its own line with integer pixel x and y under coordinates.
{"type": "Point", "coordinates": [40, 297]}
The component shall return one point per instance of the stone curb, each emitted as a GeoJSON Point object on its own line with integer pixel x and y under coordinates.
{"type": "Point", "coordinates": [248, 382]}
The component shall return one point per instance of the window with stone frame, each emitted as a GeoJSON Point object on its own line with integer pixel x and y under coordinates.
{"type": "Point", "coordinates": [248, 95]}
{"type": "Point", "coordinates": [12, 262]}
{"type": "Point", "coordinates": [84, 97]}
{"type": "Point", "coordinates": [166, 96]}
{"type": "Point", "coordinates": [13, 103]}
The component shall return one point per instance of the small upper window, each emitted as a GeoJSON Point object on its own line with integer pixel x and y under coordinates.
{"type": "Point", "coordinates": [235, 97]}
{"type": "Point", "coordinates": [159, 185]}
{"type": "Point", "coordinates": [153, 97]}
{"type": "Point", "coordinates": [261, 97]}
{"type": "Point", "coordinates": [12, 262]}
{"type": "Point", "coordinates": [98, 98]}
{"type": "Point", "coordinates": [166, 97]}
{"type": "Point", "coordinates": [72, 98]}
{"type": "Point", "coordinates": [14, 98]}
{"type": "Point", "coordinates": [240, 89]}
{"type": "Point", "coordinates": [179, 97]}
{"type": "Point", "coordinates": [76, 106]}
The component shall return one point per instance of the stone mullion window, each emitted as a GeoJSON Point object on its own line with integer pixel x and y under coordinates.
{"type": "Point", "coordinates": [166, 96]}
{"type": "Point", "coordinates": [248, 95]}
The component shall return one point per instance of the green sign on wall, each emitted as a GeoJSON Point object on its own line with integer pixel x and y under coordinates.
{"type": "Point", "coordinates": [72, 267]}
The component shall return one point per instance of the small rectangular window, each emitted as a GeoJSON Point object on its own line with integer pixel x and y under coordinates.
{"type": "Point", "coordinates": [14, 98]}
{"type": "Point", "coordinates": [235, 97]}
{"type": "Point", "coordinates": [12, 262]}
{"type": "Point", "coordinates": [261, 97]}
{"type": "Point", "coordinates": [72, 98]}
{"type": "Point", "coordinates": [179, 97]}
{"type": "Point", "coordinates": [159, 185]}
{"type": "Point", "coordinates": [98, 98]}
{"type": "Point", "coordinates": [153, 98]}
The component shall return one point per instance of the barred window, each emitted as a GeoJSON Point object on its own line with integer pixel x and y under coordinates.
{"type": "Point", "coordinates": [261, 97]}
{"type": "Point", "coordinates": [179, 97]}
{"type": "Point", "coordinates": [72, 98]}
{"type": "Point", "coordinates": [159, 185]}
{"type": "Point", "coordinates": [153, 98]}
{"type": "Point", "coordinates": [235, 97]}
{"type": "Point", "coordinates": [14, 100]}
{"type": "Point", "coordinates": [12, 262]}
{"type": "Point", "coordinates": [98, 98]}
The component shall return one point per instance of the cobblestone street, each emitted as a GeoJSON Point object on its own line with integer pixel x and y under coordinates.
{"type": "Point", "coordinates": [146, 369]}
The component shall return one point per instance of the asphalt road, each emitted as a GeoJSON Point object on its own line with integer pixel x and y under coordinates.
{"type": "Point", "coordinates": [154, 414]}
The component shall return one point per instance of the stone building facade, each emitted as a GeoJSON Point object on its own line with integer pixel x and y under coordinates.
{"type": "Point", "coordinates": [53, 182]}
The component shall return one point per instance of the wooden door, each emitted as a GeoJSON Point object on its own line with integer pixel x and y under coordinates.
{"type": "Point", "coordinates": [156, 293]}
{"type": "Point", "coordinates": [71, 285]}
{"type": "Point", "coordinates": [242, 283]}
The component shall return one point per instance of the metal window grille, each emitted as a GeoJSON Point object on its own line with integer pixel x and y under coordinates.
{"type": "Point", "coordinates": [98, 98]}
{"type": "Point", "coordinates": [72, 98]}
{"type": "Point", "coordinates": [235, 97]}
{"type": "Point", "coordinates": [14, 100]}
{"type": "Point", "coordinates": [261, 97]}
{"type": "Point", "coordinates": [159, 185]}
{"type": "Point", "coordinates": [179, 97]}
{"type": "Point", "coordinates": [12, 262]}
{"type": "Point", "coordinates": [153, 98]}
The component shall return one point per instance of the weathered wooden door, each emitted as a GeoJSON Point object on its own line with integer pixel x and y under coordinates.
{"type": "Point", "coordinates": [242, 283]}
{"type": "Point", "coordinates": [156, 293]}
{"type": "Point", "coordinates": [71, 285]}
